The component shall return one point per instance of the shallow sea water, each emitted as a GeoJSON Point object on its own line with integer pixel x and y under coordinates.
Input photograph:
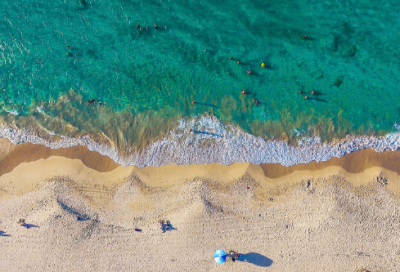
{"type": "Point", "coordinates": [55, 56]}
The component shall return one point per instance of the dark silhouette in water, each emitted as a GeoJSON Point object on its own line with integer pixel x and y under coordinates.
{"type": "Point", "coordinates": [305, 37]}
{"type": "Point", "coordinates": [204, 132]}
{"type": "Point", "coordinates": [246, 92]}
{"type": "Point", "coordinates": [92, 100]}
{"type": "Point", "coordinates": [316, 93]}
{"type": "Point", "coordinates": [258, 102]}
{"type": "Point", "coordinates": [82, 3]}
{"type": "Point", "coordinates": [337, 83]}
{"type": "Point", "coordinates": [205, 104]}
{"type": "Point", "coordinates": [315, 99]}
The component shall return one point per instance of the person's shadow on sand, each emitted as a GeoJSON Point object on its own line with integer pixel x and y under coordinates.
{"type": "Point", "coordinates": [28, 226]}
{"type": "Point", "coordinates": [256, 259]}
{"type": "Point", "coordinates": [3, 234]}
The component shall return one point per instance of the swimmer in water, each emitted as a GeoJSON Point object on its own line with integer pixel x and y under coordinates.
{"type": "Point", "coordinates": [244, 92]}
{"type": "Point", "coordinates": [249, 72]}
{"type": "Point", "coordinates": [155, 26]}
{"type": "Point", "coordinates": [193, 101]}
{"type": "Point", "coordinates": [256, 101]}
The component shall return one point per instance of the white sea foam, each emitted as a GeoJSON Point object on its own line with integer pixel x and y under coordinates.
{"type": "Point", "coordinates": [210, 141]}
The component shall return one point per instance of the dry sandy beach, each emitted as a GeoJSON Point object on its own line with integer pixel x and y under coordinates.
{"type": "Point", "coordinates": [340, 215]}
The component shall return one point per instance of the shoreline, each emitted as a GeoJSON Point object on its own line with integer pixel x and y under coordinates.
{"type": "Point", "coordinates": [218, 143]}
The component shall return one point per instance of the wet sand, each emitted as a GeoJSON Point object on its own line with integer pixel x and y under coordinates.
{"type": "Point", "coordinates": [339, 215]}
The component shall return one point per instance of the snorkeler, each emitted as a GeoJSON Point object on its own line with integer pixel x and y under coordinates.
{"type": "Point", "coordinates": [249, 72]}
{"type": "Point", "coordinates": [300, 91]}
{"type": "Point", "coordinates": [155, 26]}
{"type": "Point", "coordinates": [244, 92]}
{"type": "Point", "coordinates": [256, 101]}
{"type": "Point", "coordinates": [193, 101]}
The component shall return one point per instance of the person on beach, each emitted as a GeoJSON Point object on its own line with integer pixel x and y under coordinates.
{"type": "Point", "coordinates": [162, 225]}
{"type": "Point", "coordinates": [21, 222]}
{"type": "Point", "coordinates": [234, 255]}
{"type": "Point", "coordinates": [167, 226]}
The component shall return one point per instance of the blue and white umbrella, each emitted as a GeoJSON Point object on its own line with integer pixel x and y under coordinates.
{"type": "Point", "coordinates": [219, 256]}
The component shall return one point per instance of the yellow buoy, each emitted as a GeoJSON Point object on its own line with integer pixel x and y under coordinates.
{"type": "Point", "coordinates": [263, 65]}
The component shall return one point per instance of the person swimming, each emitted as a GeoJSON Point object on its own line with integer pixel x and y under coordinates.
{"type": "Point", "coordinates": [248, 72]}
{"type": "Point", "coordinates": [256, 101]}
{"type": "Point", "coordinates": [244, 92]}
{"type": "Point", "coordinates": [155, 26]}
{"type": "Point", "coordinates": [193, 101]}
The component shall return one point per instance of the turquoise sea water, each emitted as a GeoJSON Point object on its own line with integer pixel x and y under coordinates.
{"type": "Point", "coordinates": [57, 55]}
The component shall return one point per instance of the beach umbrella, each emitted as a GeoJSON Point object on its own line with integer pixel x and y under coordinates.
{"type": "Point", "coordinates": [219, 256]}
